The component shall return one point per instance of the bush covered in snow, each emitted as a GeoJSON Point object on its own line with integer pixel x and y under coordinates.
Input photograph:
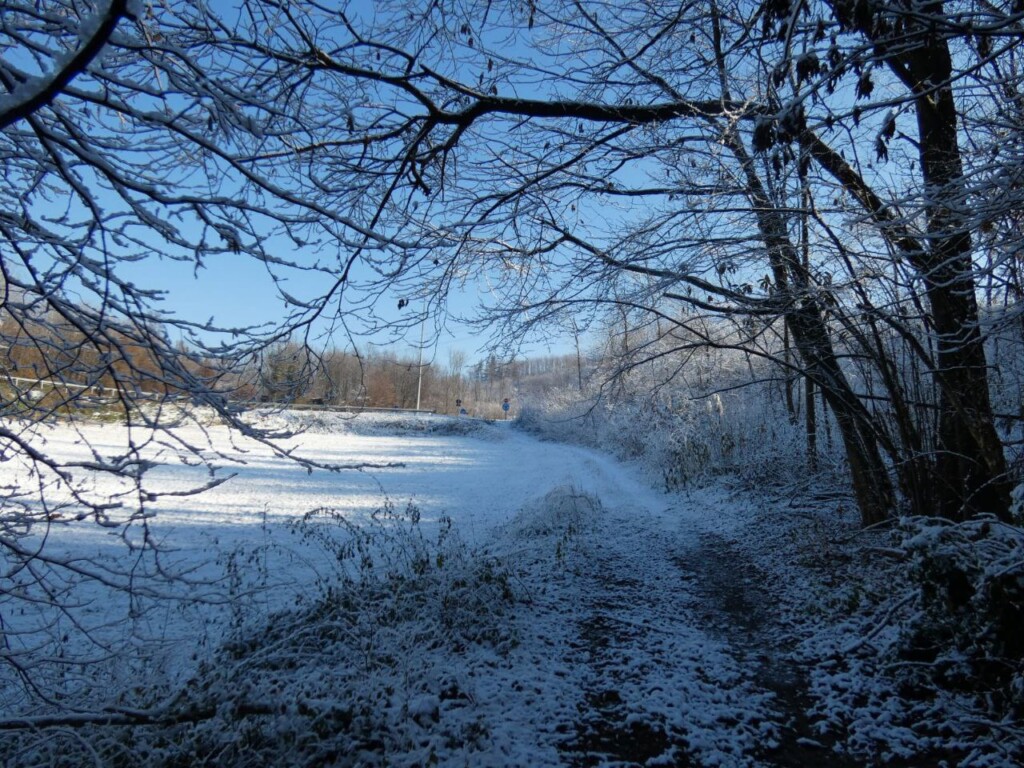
{"type": "Point", "coordinates": [681, 437]}
{"type": "Point", "coordinates": [916, 655]}
{"type": "Point", "coordinates": [967, 635]}
{"type": "Point", "coordinates": [367, 423]}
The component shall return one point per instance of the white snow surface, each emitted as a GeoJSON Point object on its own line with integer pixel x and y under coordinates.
{"type": "Point", "coordinates": [602, 643]}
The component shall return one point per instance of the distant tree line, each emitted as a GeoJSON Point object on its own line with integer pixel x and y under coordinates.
{"type": "Point", "coordinates": [46, 358]}
{"type": "Point", "coordinates": [381, 378]}
{"type": "Point", "coordinates": [50, 357]}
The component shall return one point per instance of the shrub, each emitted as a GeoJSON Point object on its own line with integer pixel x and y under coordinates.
{"type": "Point", "coordinates": [967, 635]}
{"type": "Point", "coordinates": [366, 674]}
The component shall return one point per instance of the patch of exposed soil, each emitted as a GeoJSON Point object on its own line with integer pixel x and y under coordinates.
{"type": "Point", "coordinates": [605, 734]}
{"type": "Point", "coordinates": [736, 604]}
{"type": "Point", "coordinates": [686, 662]}
{"type": "Point", "coordinates": [635, 638]}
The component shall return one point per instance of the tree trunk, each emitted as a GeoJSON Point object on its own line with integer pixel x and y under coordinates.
{"type": "Point", "coordinates": [970, 466]}
{"type": "Point", "coordinates": [789, 378]}
{"type": "Point", "coordinates": [869, 476]}
{"type": "Point", "coordinates": [810, 416]}
{"type": "Point", "coordinates": [811, 426]}
{"type": "Point", "coordinates": [805, 320]}
{"type": "Point", "coordinates": [970, 473]}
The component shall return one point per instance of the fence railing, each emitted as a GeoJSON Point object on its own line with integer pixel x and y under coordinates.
{"type": "Point", "coordinates": [335, 408]}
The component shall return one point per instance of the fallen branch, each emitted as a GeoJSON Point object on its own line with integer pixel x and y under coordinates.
{"type": "Point", "coordinates": [122, 717]}
{"type": "Point", "coordinates": [882, 624]}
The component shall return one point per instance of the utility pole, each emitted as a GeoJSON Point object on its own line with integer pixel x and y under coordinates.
{"type": "Point", "coordinates": [419, 367]}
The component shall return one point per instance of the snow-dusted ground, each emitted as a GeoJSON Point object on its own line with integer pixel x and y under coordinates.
{"type": "Point", "coordinates": [568, 614]}
{"type": "Point", "coordinates": [603, 641]}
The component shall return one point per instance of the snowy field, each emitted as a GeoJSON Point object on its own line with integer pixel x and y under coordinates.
{"type": "Point", "coordinates": [533, 509]}
{"type": "Point", "coordinates": [469, 596]}
{"type": "Point", "coordinates": [477, 474]}
{"type": "Point", "coordinates": [479, 480]}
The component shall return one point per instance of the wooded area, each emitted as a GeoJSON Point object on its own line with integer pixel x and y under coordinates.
{"type": "Point", "coordinates": [825, 194]}
{"type": "Point", "coordinates": [840, 174]}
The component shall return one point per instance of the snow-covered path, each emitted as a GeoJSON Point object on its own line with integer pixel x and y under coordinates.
{"type": "Point", "coordinates": [608, 659]}
{"type": "Point", "coordinates": [652, 686]}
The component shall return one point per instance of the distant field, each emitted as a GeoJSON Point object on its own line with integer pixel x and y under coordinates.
{"type": "Point", "coordinates": [237, 537]}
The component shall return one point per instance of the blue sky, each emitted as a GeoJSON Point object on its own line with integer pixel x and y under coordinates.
{"type": "Point", "coordinates": [236, 291]}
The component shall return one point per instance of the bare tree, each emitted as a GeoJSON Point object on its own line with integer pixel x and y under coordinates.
{"type": "Point", "coordinates": [798, 170]}
{"type": "Point", "coordinates": [132, 132]}
{"type": "Point", "coordinates": [584, 154]}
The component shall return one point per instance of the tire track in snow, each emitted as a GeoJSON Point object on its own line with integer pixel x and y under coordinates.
{"type": "Point", "coordinates": [735, 604]}
{"type": "Point", "coordinates": [657, 688]}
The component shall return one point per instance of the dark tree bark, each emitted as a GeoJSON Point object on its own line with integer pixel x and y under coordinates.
{"type": "Point", "coordinates": [970, 472]}
{"type": "Point", "coordinates": [805, 319]}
